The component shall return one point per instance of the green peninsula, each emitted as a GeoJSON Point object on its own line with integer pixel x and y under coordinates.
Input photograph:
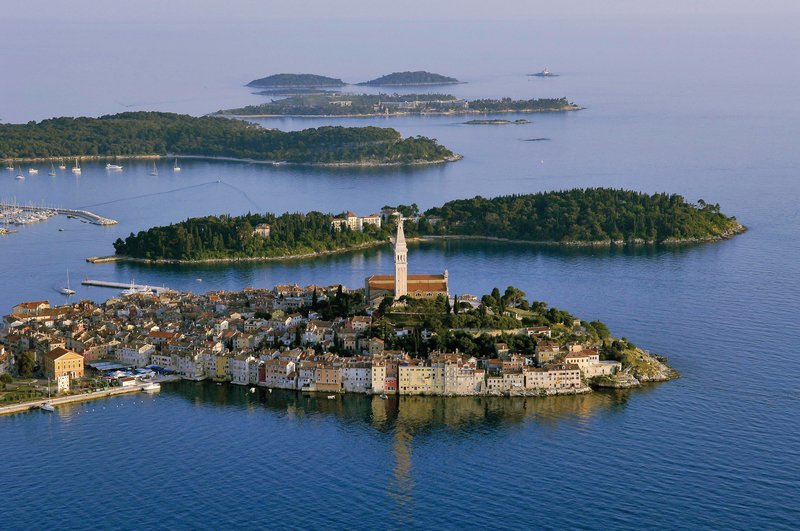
{"type": "Point", "coordinates": [284, 81]}
{"type": "Point", "coordinates": [332, 105]}
{"type": "Point", "coordinates": [142, 134]}
{"type": "Point", "coordinates": [419, 77]}
{"type": "Point", "coordinates": [594, 216]}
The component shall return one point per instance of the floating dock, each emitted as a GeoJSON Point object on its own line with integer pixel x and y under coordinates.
{"type": "Point", "coordinates": [80, 214]}
{"type": "Point", "coordinates": [157, 290]}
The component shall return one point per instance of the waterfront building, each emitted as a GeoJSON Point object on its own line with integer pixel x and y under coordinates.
{"type": "Point", "coordinates": [62, 362]}
{"type": "Point", "coordinates": [357, 376]}
{"type": "Point", "coordinates": [262, 229]}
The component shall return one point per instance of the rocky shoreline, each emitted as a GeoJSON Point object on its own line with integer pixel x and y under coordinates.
{"type": "Point", "coordinates": [578, 244]}
{"type": "Point", "coordinates": [654, 369]}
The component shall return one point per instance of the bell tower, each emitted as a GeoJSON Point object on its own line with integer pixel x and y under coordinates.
{"type": "Point", "coordinates": [400, 262]}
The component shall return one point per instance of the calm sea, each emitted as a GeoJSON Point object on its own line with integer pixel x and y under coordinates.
{"type": "Point", "coordinates": [706, 108]}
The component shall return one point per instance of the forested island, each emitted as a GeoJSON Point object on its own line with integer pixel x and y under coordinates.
{"type": "Point", "coordinates": [332, 105]}
{"type": "Point", "coordinates": [284, 81]}
{"type": "Point", "coordinates": [419, 77]}
{"type": "Point", "coordinates": [135, 134]}
{"type": "Point", "coordinates": [593, 216]}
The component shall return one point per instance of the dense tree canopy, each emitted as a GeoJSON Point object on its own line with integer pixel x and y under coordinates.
{"type": "Point", "coordinates": [233, 237]}
{"type": "Point", "coordinates": [296, 81]}
{"type": "Point", "coordinates": [580, 215]}
{"type": "Point", "coordinates": [419, 77]}
{"type": "Point", "coordinates": [365, 104]}
{"type": "Point", "coordinates": [155, 133]}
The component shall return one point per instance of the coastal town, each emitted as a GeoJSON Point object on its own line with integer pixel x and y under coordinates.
{"type": "Point", "coordinates": [327, 339]}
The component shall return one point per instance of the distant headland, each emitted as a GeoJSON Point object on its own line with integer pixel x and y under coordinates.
{"type": "Point", "coordinates": [147, 134]}
{"type": "Point", "coordinates": [579, 217]}
{"type": "Point", "coordinates": [348, 105]}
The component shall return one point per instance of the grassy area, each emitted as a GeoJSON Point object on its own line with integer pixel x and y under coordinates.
{"type": "Point", "coordinates": [17, 392]}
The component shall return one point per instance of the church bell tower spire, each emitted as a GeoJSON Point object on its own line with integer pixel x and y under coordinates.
{"type": "Point", "coordinates": [400, 262]}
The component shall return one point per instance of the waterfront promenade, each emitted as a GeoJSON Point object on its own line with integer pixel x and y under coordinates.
{"type": "Point", "coordinates": [69, 399]}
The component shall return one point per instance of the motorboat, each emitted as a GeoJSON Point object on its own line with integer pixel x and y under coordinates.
{"type": "Point", "coordinates": [151, 387]}
{"type": "Point", "coordinates": [32, 171]}
{"type": "Point", "coordinates": [384, 396]}
{"type": "Point", "coordinates": [331, 397]}
{"type": "Point", "coordinates": [113, 167]}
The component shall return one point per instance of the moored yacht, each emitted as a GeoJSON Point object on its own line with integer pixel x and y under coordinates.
{"type": "Point", "coordinates": [151, 387]}
{"type": "Point", "coordinates": [77, 168]}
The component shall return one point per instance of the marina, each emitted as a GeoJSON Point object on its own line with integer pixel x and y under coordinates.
{"type": "Point", "coordinates": [12, 213]}
{"type": "Point", "coordinates": [128, 289]}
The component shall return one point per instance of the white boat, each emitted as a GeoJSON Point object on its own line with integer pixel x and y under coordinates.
{"type": "Point", "coordinates": [47, 406]}
{"type": "Point", "coordinates": [113, 167]}
{"type": "Point", "coordinates": [176, 167]}
{"type": "Point", "coordinates": [67, 290]}
{"type": "Point", "coordinates": [9, 165]}
{"type": "Point", "coordinates": [33, 171]}
{"type": "Point", "coordinates": [77, 169]}
{"type": "Point", "coordinates": [151, 387]}
{"type": "Point", "coordinates": [154, 171]}
{"type": "Point", "coordinates": [20, 177]}
{"type": "Point", "coordinates": [52, 172]}
{"type": "Point", "coordinates": [383, 396]}
{"type": "Point", "coordinates": [331, 397]}
{"type": "Point", "coordinates": [61, 165]}
{"type": "Point", "coordinates": [252, 390]}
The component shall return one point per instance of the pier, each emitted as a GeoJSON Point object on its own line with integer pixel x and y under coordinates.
{"type": "Point", "coordinates": [80, 214]}
{"type": "Point", "coordinates": [122, 285]}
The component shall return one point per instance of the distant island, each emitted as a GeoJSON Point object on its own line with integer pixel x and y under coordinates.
{"type": "Point", "coordinates": [284, 81]}
{"type": "Point", "coordinates": [143, 134]}
{"type": "Point", "coordinates": [343, 105]}
{"type": "Point", "coordinates": [544, 73]}
{"type": "Point", "coordinates": [594, 216]}
{"type": "Point", "coordinates": [497, 122]}
{"type": "Point", "coordinates": [420, 77]}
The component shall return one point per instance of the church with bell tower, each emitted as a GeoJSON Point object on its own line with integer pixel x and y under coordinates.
{"type": "Point", "coordinates": [401, 283]}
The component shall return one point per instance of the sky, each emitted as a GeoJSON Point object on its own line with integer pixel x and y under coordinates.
{"type": "Point", "coordinates": [260, 10]}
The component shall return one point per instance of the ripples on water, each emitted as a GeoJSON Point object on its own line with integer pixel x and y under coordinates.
{"type": "Point", "coordinates": [718, 448]}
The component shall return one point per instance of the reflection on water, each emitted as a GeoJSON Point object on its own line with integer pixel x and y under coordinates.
{"type": "Point", "coordinates": [410, 416]}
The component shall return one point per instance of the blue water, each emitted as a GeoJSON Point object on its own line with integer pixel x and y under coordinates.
{"type": "Point", "coordinates": [670, 106]}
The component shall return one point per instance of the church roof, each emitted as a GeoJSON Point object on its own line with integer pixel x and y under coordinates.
{"type": "Point", "coordinates": [415, 283]}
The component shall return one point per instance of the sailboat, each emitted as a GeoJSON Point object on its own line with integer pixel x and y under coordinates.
{"type": "Point", "coordinates": [19, 176]}
{"type": "Point", "coordinates": [67, 290]}
{"type": "Point", "coordinates": [61, 165]}
{"type": "Point", "coordinates": [52, 172]}
{"type": "Point", "coordinates": [176, 167]}
{"type": "Point", "coordinates": [10, 165]}
{"type": "Point", "coordinates": [77, 169]}
{"type": "Point", "coordinates": [154, 171]}
{"type": "Point", "coordinates": [47, 406]}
